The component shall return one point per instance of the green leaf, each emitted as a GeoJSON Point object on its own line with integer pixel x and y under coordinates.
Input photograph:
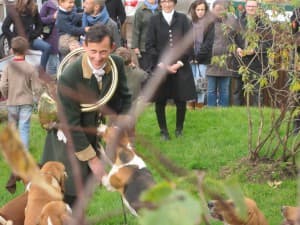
{"type": "Point", "coordinates": [158, 192]}
{"type": "Point", "coordinates": [235, 193]}
{"type": "Point", "coordinates": [179, 208]}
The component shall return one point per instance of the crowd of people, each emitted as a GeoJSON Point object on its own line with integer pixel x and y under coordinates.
{"type": "Point", "coordinates": [192, 78]}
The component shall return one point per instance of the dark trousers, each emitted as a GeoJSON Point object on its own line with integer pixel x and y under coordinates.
{"type": "Point", "coordinates": [70, 199]}
{"type": "Point", "coordinates": [296, 124]}
{"type": "Point", "coordinates": [145, 62]}
{"type": "Point", "coordinates": [238, 93]}
{"type": "Point", "coordinates": [160, 109]}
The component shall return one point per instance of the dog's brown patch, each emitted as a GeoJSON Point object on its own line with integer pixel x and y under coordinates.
{"type": "Point", "coordinates": [122, 177]}
{"type": "Point", "coordinates": [291, 215]}
{"type": "Point", "coordinates": [226, 211]}
{"type": "Point", "coordinates": [15, 209]}
{"type": "Point", "coordinates": [57, 212]}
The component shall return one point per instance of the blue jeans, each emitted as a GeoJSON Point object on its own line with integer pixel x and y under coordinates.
{"type": "Point", "coordinates": [45, 48]}
{"type": "Point", "coordinates": [199, 70]}
{"type": "Point", "coordinates": [218, 91]}
{"type": "Point", "coordinates": [20, 115]}
{"type": "Point", "coordinates": [52, 64]}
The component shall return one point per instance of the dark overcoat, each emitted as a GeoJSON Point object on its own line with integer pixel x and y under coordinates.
{"type": "Point", "coordinates": [161, 36]}
{"type": "Point", "coordinates": [258, 62]}
{"type": "Point", "coordinates": [78, 85]}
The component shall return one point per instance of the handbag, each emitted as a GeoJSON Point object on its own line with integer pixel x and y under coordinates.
{"type": "Point", "coordinates": [47, 111]}
{"type": "Point", "coordinates": [47, 30]}
{"type": "Point", "coordinates": [201, 82]}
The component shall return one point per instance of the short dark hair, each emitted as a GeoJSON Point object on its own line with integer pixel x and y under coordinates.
{"type": "Point", "coordinates": [125, 54]}
{"type": "Point", "coordinates": [97, 33]}
{"type": "Point", "coordinates": [192, 9]}
{"type": "Point", "coordinates": [224, 3]}
{"type": "Point", "coordinates": [19, 45]}
{"type": "Point", "coordinates": [175, 1]}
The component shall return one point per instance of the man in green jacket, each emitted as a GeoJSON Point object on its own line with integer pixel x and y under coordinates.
{"type": "Point", "coordinates": [82, 85]}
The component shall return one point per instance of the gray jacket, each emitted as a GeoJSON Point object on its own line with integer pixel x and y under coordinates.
{"type": "Point", "coordinates": [140, 26]}
{"type": "Point", "coordinates": [225, 35]}
{"type": "Point", "coordinates": [113, 27]}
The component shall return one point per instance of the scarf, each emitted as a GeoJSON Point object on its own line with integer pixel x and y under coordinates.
{"type": "Point", "coordinates": [89, 20]}
{"type": "Point", "coordinates": [98, 73]}
{"type": "Point", "coordinates": [151, 7]}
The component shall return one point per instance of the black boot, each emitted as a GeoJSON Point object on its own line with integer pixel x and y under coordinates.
{"type": "Point", "coordinates": [11, 184]}
{"type": "Point", "coordinates": [161, 119]}
{"type": "Point", "coordinates": [180, 116]}
{"type": "Point", "coordinates": [296, 125]}
{"type": "Point", "coordinates": [164, 134]}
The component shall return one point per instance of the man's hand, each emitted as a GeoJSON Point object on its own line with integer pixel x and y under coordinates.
{"type": "Point", "coordinates": [97, 168]}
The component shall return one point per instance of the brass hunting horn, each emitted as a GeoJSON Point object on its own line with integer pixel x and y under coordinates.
{"type": "Point", "coordinates": [94, 106]}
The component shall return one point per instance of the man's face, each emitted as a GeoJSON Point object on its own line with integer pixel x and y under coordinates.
{"type": "Point", "coordinates": [88, 6]}
{"type": "Point", "coordinates": [98, 52]}
{"type": "Point", "coordinates": [251, 7]}
{"type": "Point", "coordinates": [219, 10]}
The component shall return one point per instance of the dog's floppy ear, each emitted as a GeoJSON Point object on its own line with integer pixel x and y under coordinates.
{"type": "Point", "coordinates": [121, 178]}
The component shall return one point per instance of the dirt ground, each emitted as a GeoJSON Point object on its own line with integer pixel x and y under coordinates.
{"type": "Point", "coordinates": [261, 171]}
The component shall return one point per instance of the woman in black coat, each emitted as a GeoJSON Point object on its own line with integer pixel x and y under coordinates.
{"type": "Point", "coordinates": [26, 21]}
{"type": "Point", "coordinates": [166, 30]}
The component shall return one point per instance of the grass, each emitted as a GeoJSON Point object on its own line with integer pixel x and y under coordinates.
{"type": "Point", "coordinates": [213, 139]}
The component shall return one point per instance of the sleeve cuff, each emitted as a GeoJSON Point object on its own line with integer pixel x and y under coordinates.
{"type": "Point", "coordinates": [180, 63]}
{"type": "Point", "coordinates": [86, 154]}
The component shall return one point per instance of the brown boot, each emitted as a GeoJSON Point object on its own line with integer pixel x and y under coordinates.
{"type": "Point", "coordinates": [191, 105]}
{"type": "Point", "coordinates": [199, 105]}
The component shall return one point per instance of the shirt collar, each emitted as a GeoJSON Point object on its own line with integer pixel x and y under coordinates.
{"type": "Point", "coordinates": [168, 16]}
{"type": "Point", "coordinates": [87, 69]}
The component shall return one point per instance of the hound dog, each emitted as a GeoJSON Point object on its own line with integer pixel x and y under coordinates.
{"type": "Point", "coordinates": [13, 211]}
{"type": "Point", "coordinates": [291, 215]}
{"type": "Point", "coordinates": [226, 211]}
{"type": "Point", "coordinates": [129, 174]}
{"type": "Point", "coordinates": [55, 213]}
{"type": "Point", "coordinates": [54, 175]}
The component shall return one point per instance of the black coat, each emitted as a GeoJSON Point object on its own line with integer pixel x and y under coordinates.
{"type": "Point", "coordinates": [32, 26]}
{"type": "Point", "coordinates": [116, 10]}
{"type": "Point", "coordinates": [161, 35]}
{"type": "Point", "coordinates": [258, 62]}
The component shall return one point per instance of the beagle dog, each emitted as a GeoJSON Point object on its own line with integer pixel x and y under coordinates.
{"type": "Point", "coordinates": [226, 211]}
{"type": "Point", "coordinates": [129, 174]}
{"type": "Point", "coordinates": [54, 175]}
{"type": "Point", "coordinates": [55, 213]}
{"type": "Point", "coordinates": [13, 211]}
{"type": "Point", "coordinates": [291, 215]}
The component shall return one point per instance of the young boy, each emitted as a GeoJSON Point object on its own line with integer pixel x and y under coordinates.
{"type": "Point", "coordinates": [135, 76]}
{"type": "Point", "coordinates": [135, 79]}
{"type": "Point", "coordinates": [18, 84]}
{"type": "Point", "coordinates": [68, 23]}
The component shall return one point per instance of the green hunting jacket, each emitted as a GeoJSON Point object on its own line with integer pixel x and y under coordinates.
{"type": "Point", "coordinates": [78, 85]}
{"type": "Point", "coordinates": [140, 27]}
